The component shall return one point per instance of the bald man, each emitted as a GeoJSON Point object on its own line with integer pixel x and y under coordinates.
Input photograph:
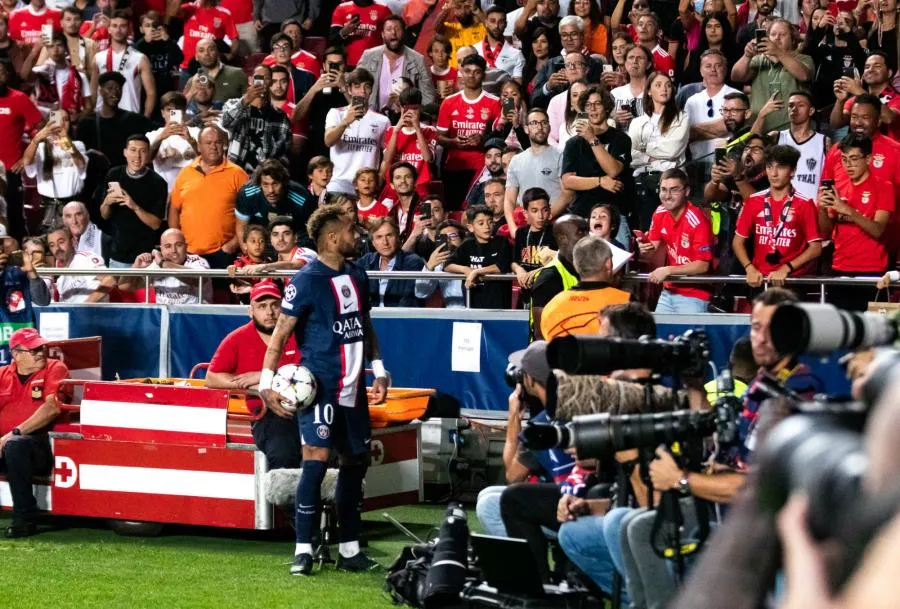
{"type": "Point", "coordinates": [86, 234]}
{"type": "Point", "coordinates": [172, 254]}
{"type": "Point", "coordinates": [560, 274]}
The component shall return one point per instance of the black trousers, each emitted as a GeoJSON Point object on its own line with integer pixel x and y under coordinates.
{"type": "Point", "coordinates": [25, 457]}
{"type": "Point", "coordinates": [15, 205]}
{"type": "Point", "coordinates": [456, 187]}
{"type": "Point", "coordinates": [525, 508]}
{"type": "Point", "coordinates": [852, 297]}
{"type": "Point", "coordinates": [279, 440]}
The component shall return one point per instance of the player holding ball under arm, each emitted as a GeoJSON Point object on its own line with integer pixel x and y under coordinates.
{"type": "Point", "coordinates": [326, 307]}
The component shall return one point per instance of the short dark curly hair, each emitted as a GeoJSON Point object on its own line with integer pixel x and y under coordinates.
{"type": "Point", "coordinates": [322, 218]}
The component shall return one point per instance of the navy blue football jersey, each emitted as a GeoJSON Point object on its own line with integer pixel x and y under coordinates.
{"type": "Point", "coordinates": [329, 307]}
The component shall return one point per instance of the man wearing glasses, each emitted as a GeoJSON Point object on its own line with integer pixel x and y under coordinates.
{"type": "Point", "coordinates": [553, 77]}
{"type": "Point", "coordinates": [704, 111]}
{"type": "Point", "coordinates": [28, 405]}
{"type": "Point", "coordinates": [684, 230]}
{"type": "Point", "coordinates": [536, 167]}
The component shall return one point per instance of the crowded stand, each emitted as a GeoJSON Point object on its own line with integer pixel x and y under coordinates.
{"type": "Point", "coordinates": [610, 159]}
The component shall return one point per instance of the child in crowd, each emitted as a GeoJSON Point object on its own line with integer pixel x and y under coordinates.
{"type": "Point", "coordinates": [368, 207]}
{"type": "Point", "coordinates": [482, 255]}
{"type": "Point", "coordinates": [442, 75]}
{"type": "Point", "coordinates": [537, 234]}
{"type": "Point", "coordinates": [256, 238]}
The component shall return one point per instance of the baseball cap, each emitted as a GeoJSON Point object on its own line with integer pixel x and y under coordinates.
{"type": "Point", "coordinates": [29, 338]}
{"type": "Point", "coordinates": [264, 289]}
{"type": "Point", "coordinates": [533, 361]}
{"type": "Point", "coordinates": [494, 142]}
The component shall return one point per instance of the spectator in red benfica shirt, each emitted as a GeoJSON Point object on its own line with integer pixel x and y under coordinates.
{"type": "Point", "coordinates": [781, 224]}
{"type": "Point", "coordinates": [686, 233]}
{"type": "Point", "coordinates": [18, 115]}
{"type": "Point", "coordinates": [855, 215]}
{"type": "Point", "coordinates": [236, 365]}
{"type": "Point", "coordinates": [876, 80]}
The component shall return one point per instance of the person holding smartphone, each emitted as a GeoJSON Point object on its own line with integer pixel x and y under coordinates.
{"type": "Point", "coordinates": [855, 213]}
{"type": "Point", "coordinates": [258, 130]}
{"type": "Point", "coordinates": [164, 53]}
{"type": "Point", "coordinates": [876, 80]}
{"type": "Point", "coordinates": [173, 146]}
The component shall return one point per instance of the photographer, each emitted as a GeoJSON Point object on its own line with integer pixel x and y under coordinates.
{"type": "Point", "coordinates": [530, 396]}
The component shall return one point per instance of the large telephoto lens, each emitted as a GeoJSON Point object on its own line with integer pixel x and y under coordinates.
{"type": "Point", "coordinates": [601, 435]}
{"type": "Point", "coordinates": [541, 436]}
{"type": "Point", "coordinates": [599, 355]}
{"type": "Point", "coordinates": [820, 329]}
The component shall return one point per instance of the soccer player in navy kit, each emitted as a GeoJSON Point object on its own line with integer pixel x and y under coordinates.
{"type": "Point", "coordinates": [326, 305]}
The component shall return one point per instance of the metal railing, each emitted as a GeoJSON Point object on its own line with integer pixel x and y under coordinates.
{"type": "Point", "coordinates": [628, 279]}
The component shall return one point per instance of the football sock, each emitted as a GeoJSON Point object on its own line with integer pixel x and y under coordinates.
{"type": "Point", "coordinates": [303, 548]}
{"type": "Point", "coordinates": [348, 496]}
{"type": "Point", "coordinates": [308, 497]}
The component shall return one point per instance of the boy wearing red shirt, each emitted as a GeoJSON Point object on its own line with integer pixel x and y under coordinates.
{"type": "Point", "coordinates": [781, 224]}
{"type": "Point", "coordinates": [462, 121]}
{"type": "Point", "coordinates": [855, 215]}
{"type": "Point", "coordinates": [356, 26]}
{"type": "Point", "coordinates": [410, 141]}
{"type": "Point", "coordinates": [685, 231]}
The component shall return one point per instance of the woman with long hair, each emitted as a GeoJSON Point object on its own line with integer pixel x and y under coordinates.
{"type": "Point", "coordinates": [618, 50]}
{"type": "Point", "coordinates": [659, 139]}
{"type": "Point", "coordinates": [561, 132]}
{"type": "Point", "coordinates": [715, 33]}
{"type": "Point", "coordinates": [510, 126]}
{"type": "Point", "coordinates": [883, 35]}
{"type": "Point", "coordinates": [596, 25]}
{"type": "Point", "coordinates": [541, 52]}
{"type": "Point", "coordinates": [58, 164]}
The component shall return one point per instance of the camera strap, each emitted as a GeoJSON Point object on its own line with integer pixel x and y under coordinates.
{"type": "Point", "coordinates": [779, 228]}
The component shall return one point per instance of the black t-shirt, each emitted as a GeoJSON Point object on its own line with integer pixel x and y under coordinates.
{"type": "Point", "coordinates": [108, 135]}
{"type": "Point", "coordinates": [490, 294]}
{"type": "Point", "coordinates": [578, 158]}
{"type": "Point", "coordinates": [165, 57]}
{"type": "Point", "coordinates": [529, 243]}
{"type": "Point", "coordinates": [552, 36]}
{"type": "Point", "coordinates": [318, 110]}
{"type": "Point", "coordinates": [130, 236]}
{"type": "Point", "coordinates": [296, 202]}
{"type": "Point", "coordinates": [548, 284]}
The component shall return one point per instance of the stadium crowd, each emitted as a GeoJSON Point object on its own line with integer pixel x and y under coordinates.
{"type": "Point", "coordinates": [706, 138]}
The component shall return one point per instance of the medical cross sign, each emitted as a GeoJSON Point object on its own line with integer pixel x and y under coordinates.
{"type": "Point", "coordinates": [66, 472]}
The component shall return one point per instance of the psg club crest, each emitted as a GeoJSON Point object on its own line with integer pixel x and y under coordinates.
{"type": "Point", "coordinates": [15, 301]}
{"type": "Point", "coordinates": [878, 161]}
{"type": "Point", "coordinates": [865, 197]}
{"type": "Point", "coordinates": [323, 432]}
{"type": "Point", "coordinates": [811, 164]}
{"type": "Point", "coordinates": [345, 291]}
{"type": "Point", "coordinates": [485, 114]}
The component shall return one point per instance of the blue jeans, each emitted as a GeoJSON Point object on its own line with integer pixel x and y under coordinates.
{"type": "Point", "coordinates": [674, 303]}
{"type": "Point", "coordinates": [115, 264]}
{"type": "Point", "coordinates": [585, 542]}
{"type": "Point", "coordinates": [487, 508]}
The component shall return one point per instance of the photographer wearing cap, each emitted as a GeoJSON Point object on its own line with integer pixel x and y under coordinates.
{"type": "Point", "coordinates": [531, 394]}
{"type": "Point", "coordinates": [28, 406]}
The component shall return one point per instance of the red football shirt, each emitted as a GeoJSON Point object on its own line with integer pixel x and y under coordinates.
{"type": "Point", "coordinates": [801, 226]}
{"type": "Point", "coordinates": [663, 62]}
{"type": "Point", "coordinates": [376, 209]}
{"type": "Point", "coordinates": [368, 34]}
{"type": "Point", "coordinates": [244, 351]}
{"type": "Point", "coordinates": [241, 10]}
{"type": "Point", "coordinates": [18, 114]}
{"type": "Point", "coordinates": [25, 24]}
{"type": "Point", "coordinates": [687, 239]}
{"type": "Point", "coordinates": [408, 151]}
{"type": "Point", "coordinates": [18, 400]}
{"type": "Point", "coordinates": [461, 116]}
{"type": "Point", "coordinates": [890, 98]}
{"type": "Point", "coordinates": [303, 60]}
{"type": "Point", "coordinates": [205, 22]}
{"type": "Point", "coordinates": [855, 251]}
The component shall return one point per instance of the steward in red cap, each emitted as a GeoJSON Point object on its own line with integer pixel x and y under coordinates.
{"type": "Point", "coordinates": [28, 406]}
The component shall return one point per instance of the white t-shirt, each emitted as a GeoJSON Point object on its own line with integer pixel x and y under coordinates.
{"type": "Point", "coordinates": [67, 180]}
{"type": "Point", "coordinates": [509, 59]}
{"type": "Point", "coordinates": [360, 144]}
{"type": "Point", "coordinates": [182, 290]}
{"type": "Point", "coordinates": [127, 63]}
{"type": "Point", "coordinates": [175, 153]}
{"type": "Point", "coordinates": [90, 241]}
{"type": "Point", "coordinates": [75, 289]}
{"type": "Point", "coordinates": [697, 108]}
{"type": "Point", "coordinates": [623, 96]}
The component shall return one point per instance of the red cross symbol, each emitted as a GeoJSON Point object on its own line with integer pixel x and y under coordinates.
{"type": "Point", "coordinates": [66, 472]}
{"type": "Point", "coordinates": [377, 452]}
